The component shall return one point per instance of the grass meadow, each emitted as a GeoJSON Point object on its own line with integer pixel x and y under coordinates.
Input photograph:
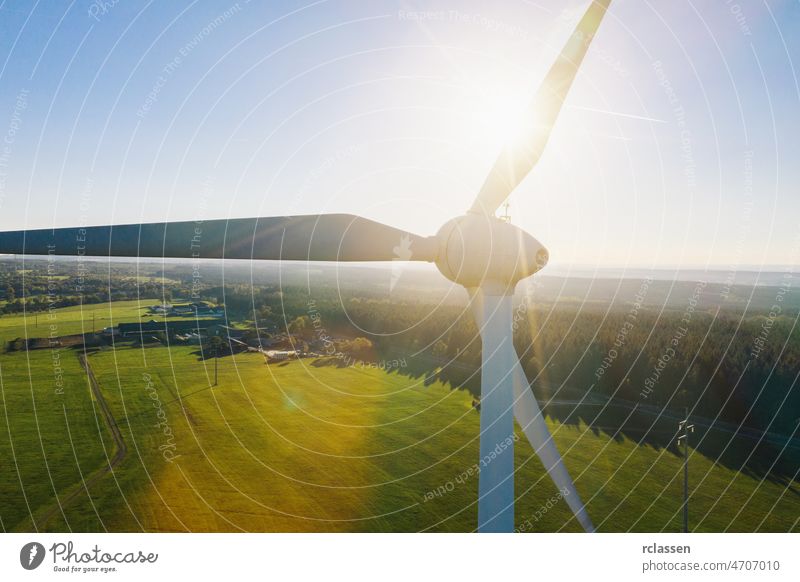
{"type": "Point", "coordinates": [302, 446]}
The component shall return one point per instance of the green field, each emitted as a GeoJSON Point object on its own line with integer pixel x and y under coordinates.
{"type": "Point", "coordinates": [307, 447]}
{"type": "Point", "coordinates": [74, 320]}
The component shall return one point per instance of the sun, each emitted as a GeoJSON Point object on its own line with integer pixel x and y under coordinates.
{"type": "Point", "coordinates": [503, 119]}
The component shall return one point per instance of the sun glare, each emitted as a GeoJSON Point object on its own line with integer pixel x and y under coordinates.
{"type": "Point", "coordinates": [503, 120]}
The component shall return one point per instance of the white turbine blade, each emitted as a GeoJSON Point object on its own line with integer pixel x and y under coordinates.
{"type": "Point", "coordinates": [519, 157]}
{"type": "Point", "coordinates": [530, 418]}
{"type": "Point", "coordinates": [526, 410]}
{"type": "Point", "coordinates": [326, 237]}
{"type": "Point", "coordinates": [496, 478]}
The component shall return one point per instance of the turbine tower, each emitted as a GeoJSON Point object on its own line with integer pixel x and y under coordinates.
{"type": "Point", "coordinates": [485, 254]}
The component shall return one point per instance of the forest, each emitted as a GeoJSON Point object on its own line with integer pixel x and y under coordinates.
{"type": "Point", "coordinates": [725, 353]}
{"type": "Point", "coordinates": [736, 362]}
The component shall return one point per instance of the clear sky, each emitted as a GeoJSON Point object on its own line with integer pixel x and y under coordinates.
{"type": "Point", "coordinates": [678, 145]}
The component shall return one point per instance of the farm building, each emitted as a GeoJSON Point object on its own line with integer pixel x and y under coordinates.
{"type": "Point", "coordinates": [199, 326]}
{"type": "Point", "coordinates": [230, 332]}
{"type": "Point", "coordinates": [280, 355]}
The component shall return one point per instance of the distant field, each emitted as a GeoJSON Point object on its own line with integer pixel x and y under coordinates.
{"type": "Point", "coordinates": [304, 447]}
{"type": "Point", "coordinates": [73, 320]}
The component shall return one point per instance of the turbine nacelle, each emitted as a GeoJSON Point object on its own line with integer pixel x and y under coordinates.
{"type": "Point", "coordinates": [481, 251]}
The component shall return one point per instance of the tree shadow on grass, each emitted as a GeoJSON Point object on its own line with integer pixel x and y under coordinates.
{"type": "Point", "coordinates": [771, 457]}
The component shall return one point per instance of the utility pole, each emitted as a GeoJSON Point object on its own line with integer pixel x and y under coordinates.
{"type": "Point", "coordinates": [216, 363]}
{"type": "Point", "coordinates": [685, 428]}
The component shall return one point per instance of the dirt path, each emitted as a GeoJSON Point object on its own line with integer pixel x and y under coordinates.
{"type": "Point", "coordinates": [97, 474]}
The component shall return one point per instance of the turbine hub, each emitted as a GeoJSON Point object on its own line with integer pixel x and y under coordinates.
{"type": "Point", "coordinates": [478, 250]}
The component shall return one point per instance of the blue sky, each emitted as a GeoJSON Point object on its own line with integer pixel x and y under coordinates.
{"type": "Point", "coordinates": [678, 145]}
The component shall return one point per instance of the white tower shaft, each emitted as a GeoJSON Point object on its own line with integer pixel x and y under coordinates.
{"type": "Point", "coordinates": [496, 480]}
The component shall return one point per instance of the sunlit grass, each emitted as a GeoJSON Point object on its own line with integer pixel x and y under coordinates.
{"type": "Point", "coordinates": [299, 447]}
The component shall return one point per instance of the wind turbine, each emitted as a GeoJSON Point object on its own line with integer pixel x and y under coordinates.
{"type": "Point", "coordinates": [486, 255]}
